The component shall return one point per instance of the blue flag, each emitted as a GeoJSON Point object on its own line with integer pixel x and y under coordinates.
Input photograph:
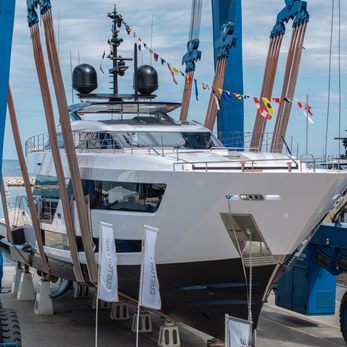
{"type": "Point", "coordinates": [196, 90]}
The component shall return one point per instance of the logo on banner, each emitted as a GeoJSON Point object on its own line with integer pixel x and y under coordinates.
{"type": "Point", "coordinates": [150, 294]}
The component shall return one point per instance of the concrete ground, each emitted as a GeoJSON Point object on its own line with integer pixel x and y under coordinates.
{"type": "Point", "coordinates": [73, 324]}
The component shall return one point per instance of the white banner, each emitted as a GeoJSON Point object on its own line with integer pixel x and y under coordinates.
{"type": "Point", "coordinates": [108, 281]}
{"type": "Point", "coordinates": [150, 294]}
{"type": "Point", "coordinates": [238, 332]}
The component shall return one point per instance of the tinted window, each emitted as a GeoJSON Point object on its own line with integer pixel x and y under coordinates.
{"type": "Point", "coordinates": [124, 196]}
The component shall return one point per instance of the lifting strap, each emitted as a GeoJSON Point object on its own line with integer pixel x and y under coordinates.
{"type": "Point", "coordinates": [76, 181]}
{"type": "Point", "coordinates": [289, 86]}
{"type": "Point", "coordinates": [27, 184]}
{"type": "Point", "coordinates": [53, 139]}
{"type": "Point", "coordinates": [267, 89]}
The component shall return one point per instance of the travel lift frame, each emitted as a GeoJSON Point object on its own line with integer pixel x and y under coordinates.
{"type": "Point", "coordinates": [295, 10]}
{"type": "Point", "coordinates": [7, 13]}
{"type": "Point", "coordinates": [191, 57]}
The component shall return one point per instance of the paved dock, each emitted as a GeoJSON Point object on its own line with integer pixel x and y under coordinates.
{"type": "Point", "coordinates": [74, 324]}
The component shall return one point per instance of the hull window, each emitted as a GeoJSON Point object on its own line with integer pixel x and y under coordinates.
{"type": "Point", "coordinates": [122, 246]}
{"type": "Point", "coordinates": [124, 196]}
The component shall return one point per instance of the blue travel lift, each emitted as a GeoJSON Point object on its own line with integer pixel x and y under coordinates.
{"type": "Point", "coordinates": [309, 287]}
{"type": "Point", "coordinates": [9, 326]}
{"type": "Point", "coordinates": [7, 10]}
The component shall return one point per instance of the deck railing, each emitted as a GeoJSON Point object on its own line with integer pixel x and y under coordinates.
{"type": "Point", "coordinates": [104, 140]}
{"type": "Point", "coordinates": [87, 141]}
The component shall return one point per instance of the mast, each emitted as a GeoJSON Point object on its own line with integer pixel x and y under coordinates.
{"type": "Point", "coordinates": [118, 65]}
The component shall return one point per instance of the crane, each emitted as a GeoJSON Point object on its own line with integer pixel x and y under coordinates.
{"type": "Point", "coordinates": [295, 10]}
{"type": "Point", "coordinates": [191, 57]}
{"type": "Point", "coordinates": [230, 119]}
{"type": "Point", "coordinates": [7, 11]}
{"type": "Point", "coordinates": [222, 48]}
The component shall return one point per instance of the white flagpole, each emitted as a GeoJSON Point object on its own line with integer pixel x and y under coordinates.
{"type": "Point", "coordinates": [226, 342]}
{"type": "Point", "coordinates": [140, 292]}
{"type": "Point", "coordinates": [98, 290]}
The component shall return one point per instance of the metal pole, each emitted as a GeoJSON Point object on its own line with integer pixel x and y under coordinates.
{"type": "Point", "coordinates": [140, 293]}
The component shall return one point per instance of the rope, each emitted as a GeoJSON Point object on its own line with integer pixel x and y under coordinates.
{"type": "Point", "coordinates": [329, 82]}
{"type": "Point", "coordinates": [241, 255]}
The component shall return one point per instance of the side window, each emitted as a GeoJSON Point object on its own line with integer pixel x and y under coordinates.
{"type": "Point", "coordinates": [124, 196]}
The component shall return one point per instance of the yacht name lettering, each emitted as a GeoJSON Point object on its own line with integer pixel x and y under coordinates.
{"type": "Point", "coordinates": [110, 270]}
{"type": "Point", "coordinates": [152, 282]}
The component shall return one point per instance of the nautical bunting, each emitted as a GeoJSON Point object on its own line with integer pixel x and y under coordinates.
{"type": "Point", "coordinates": [277, 100]}
{"type": "Point", "coordinates": [307, 111]}
{"type": "Point", "coordinates": [267, 112]}
{"type": "Point", "coordinates": [261, 109]}
{"type": "Point", "coordinates": [172, 73]}
{"type": "Point", "coordinates": [196, 90]}
{"type": "Point", "coordinates": [238, 96]}
{"type": "Point", "coordinates": [268, 106]}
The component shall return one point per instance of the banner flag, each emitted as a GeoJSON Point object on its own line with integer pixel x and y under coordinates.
{"type": "Point", "coordinates": [150, 293]}
{"type": "Point", "coordinates": [196, 90]}
{"type": "Point", "coordinates": [108, 281]}
{"type": "Point", "coordinates": [268, 106]}
{"type": "Point", "coordinates": [238, 332]}
{"type": "Point", "coordinates": [238, 96]}
{"type": "Point", "coordinates": [261, 109]}
{"type": "Point", "coordinates": [277, 100]}
{"type": "Point", "coordinates": [172, 73]}
{"type": "Point", "coordinates": [155, 57]}
{"type": "Point", "coordinates": [306, 109]}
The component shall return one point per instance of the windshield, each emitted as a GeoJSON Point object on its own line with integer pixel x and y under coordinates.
{"type": "Point", "coordinates": [119, 140]}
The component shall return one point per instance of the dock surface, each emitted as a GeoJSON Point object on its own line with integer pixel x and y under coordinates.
{"type": "Point", "coordinates": [73, 324]}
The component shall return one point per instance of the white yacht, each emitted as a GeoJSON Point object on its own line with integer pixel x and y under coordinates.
{"type": "Point", "coordinates": [220, 212]}
{"type": "Point", "coordinates": [210, 203]}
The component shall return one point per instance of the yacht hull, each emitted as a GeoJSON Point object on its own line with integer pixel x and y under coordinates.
{"type": "Point", "coordinates": [198, 294]}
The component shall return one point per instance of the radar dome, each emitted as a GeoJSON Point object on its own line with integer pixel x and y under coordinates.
{"type": "Point", "coordinates": [147, 79]}
{"type": "Point", "coordinates": [84, 79]}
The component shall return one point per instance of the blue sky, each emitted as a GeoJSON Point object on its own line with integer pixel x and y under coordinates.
{"type": "Point", "coordinates": [83, 28]}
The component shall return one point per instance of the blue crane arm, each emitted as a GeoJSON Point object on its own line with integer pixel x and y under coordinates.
{"type": "Point", "coordinates": [226, 41]}
{"type": "Point", "coordinates": [295, 10]}
{"type": "Point", "coordinates": [32, 5]}
{"type": "Point", "coordinates": [192, 56]}
{"type": "Point", "coordinates": [7, 11]}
